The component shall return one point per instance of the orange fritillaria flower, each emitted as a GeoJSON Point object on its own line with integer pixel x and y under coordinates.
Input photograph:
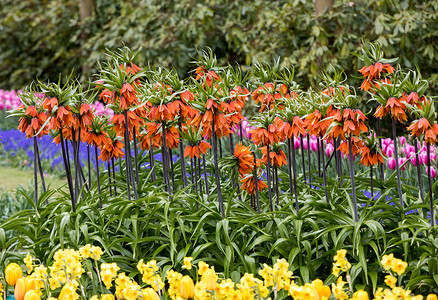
{"type": "Point", "coordinates": [418, 127]}
{"type": "Point", "coordinates": [357, 144]}
{"type": "Point", "coordinates": [267, 96]}
{"type": "Point", "coordinates": [32, 122]}
{"type": "Point", "coordinates": [210, 76]}
{"type": "Point", "coordinates": [197, 150]}
{"type": "Point", "coordinates": [119, 123]}
{"type": "Point", "coordinates": [374, 70]}
{"type": "Point", "coordinates": [317, 124]}
{"type": "Point", "coordinates": [352, 122]}
{"type": "Point", "coordinates": [397, 109]}
{"type": "Point", "coordinates": [263, 136]}
{"type": "Point", "coordinates": [293, 129]}
{"type": "Point", "coordinates": [430, 136]}
{"type": "Point", "coordinates": [155, 133]}
{"type": "Point", "coordinates": [277, 159]}
{"type": "Point", "coordinates": [246, 160]}
{"type": "Point", "coordinates": [86, 116]}
{"type": "Point", "coordinates": [370, 158]}
{"type": "Point", "coordinates": [248, 184]}
{"type": "Point", "coordinates": [111, 149]}
{"type": "Point", "coordinates": [98, 139]}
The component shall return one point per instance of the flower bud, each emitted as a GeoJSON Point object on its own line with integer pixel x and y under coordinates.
{"type": "Point", "coordinates": [30, 283]}
{"type": "Point", "coordinates": [13, 273]}
{"type": "Point", "coordinates": [20, 289]}
{"type": "Point", "coordinates": [187, 288]}
{"type": "Point", "coordinates": [432, 297]}
{"type": "Point", "coordinates": [209, 277]}
{"type": "Point", "coordinates": [32, 295]}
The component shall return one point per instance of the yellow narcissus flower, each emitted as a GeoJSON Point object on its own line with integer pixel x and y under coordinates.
{"type": "Point", "coordinates": [88, 251]}
{"type": "Point", "coordinates": [387, 261]}
{"type": "Point", "coordinates": [85, 251]}
{"type": "Point", "coordinates": [202, 267]}
{"type": "Point", "coordinates": [28, 261]}
{"type": "Point", "coordinates": [187, 263]}
{"type": "Point", "coordinates": [13, 273]}
{"type": "Point", "coordinates": [338, 289]}
{"type": "Point", "coordinates": [187, 288]}
{"type": "Point", "coordinates": [390, 281]}
{"type": "Point", "coordinates": [341, 263]}
{"type": "Point", "coordinates": [399, 266]}
{"type": "Point", "coordinates": [95, 297]}
{"type": "Point", "coordinates": [107, 273]}
{"type": "Point", "coordinates": [1, 290]}
{"type": "Point", "coordinates": [107, 297]}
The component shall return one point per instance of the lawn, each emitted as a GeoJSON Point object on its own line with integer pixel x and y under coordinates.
{"type": "Point", "coordinates": [11, 178]}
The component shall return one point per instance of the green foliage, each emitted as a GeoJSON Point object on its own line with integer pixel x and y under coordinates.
{"type": "Point", "coordinates": [168, 229]}
{"type": "Point", "coordinates": [169, 32]}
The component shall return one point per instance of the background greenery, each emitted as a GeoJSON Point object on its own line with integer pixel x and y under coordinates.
{"type": "Point", "coordinates": [44, 38]}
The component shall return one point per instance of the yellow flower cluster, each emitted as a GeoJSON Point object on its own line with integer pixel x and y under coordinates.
{"type": "Point", "coordinates": [126, 288]}
{"type": "Point", "coordinates": [28, 261]}
{"type": "Point", "coordinates": [88, 251]}
{"type": "Point", "coordinates": [40, 276]}
{"type": "Point", "coordinates": [314, 290]}
{"type": "Point", "coordinates": [67, 271]}
{"type": "Point", "coordinates": [396, 293]}
{"type": "Point", "coordinates": [396, 265]}
{"type": "Point", "coordinates": [66, 267]}
{"type": "Point", "coordinates": [341, 263]}
{"type": "Point", "coordinates": [339, 290]}
{"type": "Point", "coordinates": [107, 273]}
{"type": "Point", "coordinates": [150, 275]}
{"type": "Point", "coordinates": [277, 276]}
{"type": "Point", "coordinates": [1, 290]}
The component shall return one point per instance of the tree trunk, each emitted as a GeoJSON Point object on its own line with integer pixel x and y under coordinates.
{"type": "Point", "coordinates": [85, 11]}
{"type": "Point", "coordinates": [322, 6]}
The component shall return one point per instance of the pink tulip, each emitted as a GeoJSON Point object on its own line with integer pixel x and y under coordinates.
{"type": "Point", "coordinates": [305, 143]}
{"type": "Point", "coordinates": [297, 143]}
{"type": "Point", "coordinates": [329, 149]}
{"type": "Point", "coordinates": [390, 150]}
{"type": "Point", "coordinates": [412, 158]}
{"type": "Point", "coordinates": [314, 145]}
{"type": "Point", "coordinates": [401, 161]}
{"type": "Point", "coordinates": [432, 171]}
{"type": "Point", "coordinates": [391, 163]}
{"type": "Point", "coordinates": [402, 140]}
{"type": "Point", "coordinates": [422, 157]}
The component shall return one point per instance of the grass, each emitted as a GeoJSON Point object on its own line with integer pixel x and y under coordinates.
{"type": "Point", "coordinates": [11, 178]}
